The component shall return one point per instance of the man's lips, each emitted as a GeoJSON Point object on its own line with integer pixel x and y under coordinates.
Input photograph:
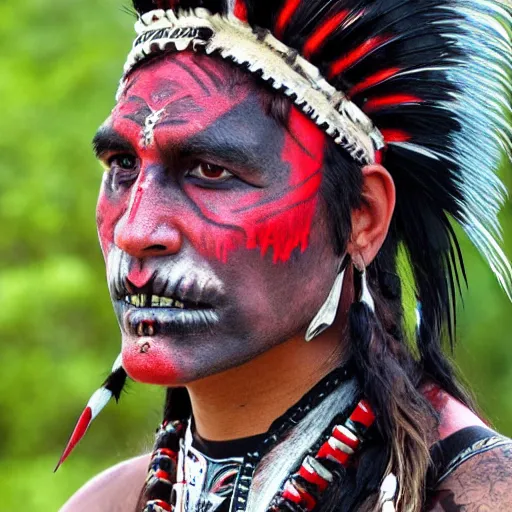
{"type": "Point", "coordinates": [183, 281]}
{"type": "Point", "coordinates": [144, 321]}
{"type": "Point", "coordinates": [143, 313]}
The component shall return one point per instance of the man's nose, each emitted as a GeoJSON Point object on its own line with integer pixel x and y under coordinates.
{"type": "Point", "coordinates": [147, 229]}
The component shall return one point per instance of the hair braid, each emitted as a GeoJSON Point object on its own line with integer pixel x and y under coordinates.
{"type": "Point", "coordinates": [162, 469]}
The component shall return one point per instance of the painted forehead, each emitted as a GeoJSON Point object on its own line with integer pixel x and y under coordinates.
{"type": "Point", "coordinates": [185, 93]}
{"type": "Point", "coordinates": [188, 105]}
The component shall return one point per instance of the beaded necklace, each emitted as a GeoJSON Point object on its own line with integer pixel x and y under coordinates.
{"type": "Point", "coordinates": [332, 421]}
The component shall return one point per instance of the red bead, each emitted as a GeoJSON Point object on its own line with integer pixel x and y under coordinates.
{"type": "Point", "coordinates": [157, 506]}
{"type": "Point", "coordinates": [344, 435]}
{"type": "Point", "coordinates": [363, 414]}
{"type": "Point", "coordinates": [329, 452]}
{"type": "Point", "coordinates": [291, 494]}
{"type": "Point", "coordinates": [300, 497]}
{"type": "Point", "coordinates": [313, 478]}
{"type": "Point", "coordinates": [165, 451]}
{"type": "Point", "coordinates": [162, 475]}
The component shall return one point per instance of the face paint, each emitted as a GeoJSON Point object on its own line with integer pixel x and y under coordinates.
{"type": "Point", "coordinates": [280, 220]}
{"type": "Point", "coordinates": [207, 197]}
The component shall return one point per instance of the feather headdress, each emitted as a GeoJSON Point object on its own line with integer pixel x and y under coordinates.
{"type": "Point", "coordinates": [430, 81]}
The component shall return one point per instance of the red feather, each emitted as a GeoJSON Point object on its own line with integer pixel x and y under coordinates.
{"type": "Point", "coordinates": [388, 101]}
{"type": "Point", "coordinates": [391, 135]}
{"type": "Point", "coordinates": [81, 428]}
{"type": "Point", "coordinates": [97, 402]}
{"type": "Point", "coordinates": [240, 10]}
{"type": "Point", "coordinates": [319, 36]}
{"type": "Point", "coordinates": [372, 80]}
{"type": "Point", "coordinates": [285, 15]}
{"type": "Point", "coordinates": [356, 55]}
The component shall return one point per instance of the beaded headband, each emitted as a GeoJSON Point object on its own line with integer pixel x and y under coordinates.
{"type": "Point", "coordinates": [262, 54]}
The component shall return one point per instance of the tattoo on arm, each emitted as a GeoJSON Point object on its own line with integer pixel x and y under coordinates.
{"type": "Point", "coordinates": [482, 484]}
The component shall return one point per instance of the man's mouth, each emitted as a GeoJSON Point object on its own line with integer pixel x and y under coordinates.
{"type": "Point", "coordinates": [143, 300]}
{"type": "Point", "coordinates": [149, 315]}
{"type": "Point", "coordinates": [180, 297]}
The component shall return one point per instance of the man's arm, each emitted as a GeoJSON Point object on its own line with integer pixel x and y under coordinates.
{"type": "Point", "coordinates": [482, 484]}
{"type": "Point", "coordinates": [115, 490]}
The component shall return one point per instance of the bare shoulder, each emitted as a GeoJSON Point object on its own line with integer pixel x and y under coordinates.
{"type": "Point", "coordinates": [481, 484]}
{"type": "Point", "coordinates": [115, 490]}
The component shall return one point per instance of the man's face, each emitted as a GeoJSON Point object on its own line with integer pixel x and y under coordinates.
{"type": "Point", "coordinates": [210, 220]}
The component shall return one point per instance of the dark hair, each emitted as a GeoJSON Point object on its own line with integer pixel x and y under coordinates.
{"type": "Point", "coordinates": [391, 365]}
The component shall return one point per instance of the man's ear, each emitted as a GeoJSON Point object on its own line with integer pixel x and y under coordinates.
{"type": "Point", "coordinates": [370, 222]}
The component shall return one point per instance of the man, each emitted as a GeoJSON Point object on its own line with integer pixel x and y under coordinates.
{"type": "Point", "coordinates": [265, 161]}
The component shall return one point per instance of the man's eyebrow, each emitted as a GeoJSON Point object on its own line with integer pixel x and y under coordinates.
{"type": "Point", "coordinates": [107, 139]}
{"type": "Point", "coordinates": [229, 152]}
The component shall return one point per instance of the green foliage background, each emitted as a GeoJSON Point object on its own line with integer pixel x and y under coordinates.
{"type": "Point", "coordinates": [60, 63]}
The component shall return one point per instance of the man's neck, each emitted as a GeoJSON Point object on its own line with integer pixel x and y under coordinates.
{"type": "Point", "coordinates": [244, 401]}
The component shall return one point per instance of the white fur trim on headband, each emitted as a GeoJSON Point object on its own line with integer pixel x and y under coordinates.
{"type": "Point", "coordinates": [263, 54]}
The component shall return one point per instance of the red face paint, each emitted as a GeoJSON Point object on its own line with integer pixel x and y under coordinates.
{"type": "Point", "coordinates": [256, 231]}
{"type": "Point", "coordinates": [150, 361]}
{"type": "Point", "coordinates": [281, 222]}
{"type": "Point", "coordinates": [170, 104]}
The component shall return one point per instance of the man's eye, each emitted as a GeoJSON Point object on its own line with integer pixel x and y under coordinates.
{"type": "Point", "coordinates": [122, 169]}
{"type": "Point", "coordinates": [122, 162]}
{"type": "Point", "coordinates": [210, 172]}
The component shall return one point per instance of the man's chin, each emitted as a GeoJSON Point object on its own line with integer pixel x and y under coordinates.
{"type": "Point", "coordinates": [150, 360]}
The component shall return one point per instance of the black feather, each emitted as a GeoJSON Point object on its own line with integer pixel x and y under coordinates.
{"type": "Point", "coordinates": [116, 382]}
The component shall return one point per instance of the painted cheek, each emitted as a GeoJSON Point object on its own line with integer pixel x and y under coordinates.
{"type": "Point", "coordinates": [111, 206]}
{"type": "Point", "coordinates": [279, 220]}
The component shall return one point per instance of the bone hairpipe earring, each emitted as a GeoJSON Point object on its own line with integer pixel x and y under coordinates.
{"type": "Point", "coordinates": [327, 314]}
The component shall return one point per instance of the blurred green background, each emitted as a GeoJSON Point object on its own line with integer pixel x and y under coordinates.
{"type": "Point", "coordinates": [60, 64]}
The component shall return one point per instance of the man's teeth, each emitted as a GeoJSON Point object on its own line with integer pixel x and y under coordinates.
{"type": "Point", "coordinates": [154, 301]}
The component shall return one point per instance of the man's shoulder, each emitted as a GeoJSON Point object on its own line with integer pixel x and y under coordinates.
{"type": "Point", "coordinates": [481, 484]}
{"type": "Point", "coordinates": [115, 490]}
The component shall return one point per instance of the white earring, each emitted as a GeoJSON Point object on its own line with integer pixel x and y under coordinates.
{"type": "Point", "coordinates": [327, 314]}
{"type": "Point", "coordinates": [363, 290]}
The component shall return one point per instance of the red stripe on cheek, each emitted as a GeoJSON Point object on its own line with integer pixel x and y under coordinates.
{"type": "Point", "coordinates": [318, 37]}
{"type": "Point", "coordinates": [277, 219]}
{"type": "Point", "coordinates": [108, 213]}
{"type": "Point", "coordinates": [285, 15]}
{"type": "Point", "coordinates": [291, 228]}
